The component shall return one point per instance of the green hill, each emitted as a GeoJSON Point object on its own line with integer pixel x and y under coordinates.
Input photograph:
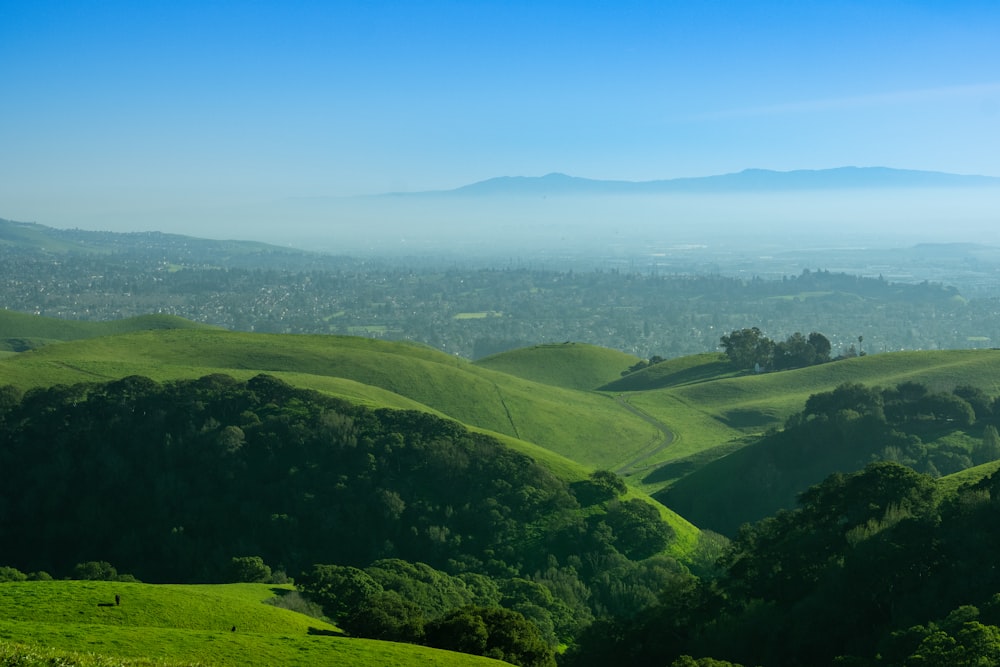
{"type": "Point", "coordinates": [184, 625]}
{"type": "Point", "coordinates": [20, 332]}
{"type": "Point", "coordinates": [581, 426]}
{"type": "Point", "coordinates": [713, 417]}
{"type": "Point", "coordinates": [659, 425]}
{"type": "Point", "coordinates": [571, 431]}
{"type": "Point", "coordinates": [675, 372]}
{"type": "Point", "coordinates": [567, 365]}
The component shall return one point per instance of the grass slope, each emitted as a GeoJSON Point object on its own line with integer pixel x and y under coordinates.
{"type": "Point", "coordinates": [570, 431]}
{"type": "Point", "coordinates": [582, 426]}
{"type": "Point", "coordinates": [712, 417]}
{"type": "Point", "coordinates": [567, 365]}
{"type": "Point", "coordinates": [950, 483]}
{"type": "Point", "coordinates": [675, 372]}
{"type": "Point", "coordinates": [20, 331]}
{"type": "Point", "coordinates": [189, 625]}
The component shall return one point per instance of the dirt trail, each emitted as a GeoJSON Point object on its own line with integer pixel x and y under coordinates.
{"type": "Point", "coordinates": [633, 466]}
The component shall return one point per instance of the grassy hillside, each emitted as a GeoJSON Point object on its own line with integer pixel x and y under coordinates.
{"type": "Point", "coordinates": [567, 365]}
{"type": "Point", "coordinates": [189, 625]}
{"type": "Point", "coordinates": [580, 425]}
{"type": "Point", "coordinates": [19, 331]}
{"type": "Point", "coordinates": [658, 425]}
{"type": "Point", "coordinates": [950, 483]}
{"type": "Point", "coordinates": [675, 372]}
{"type": "Point", "coordinates": [712, 417]}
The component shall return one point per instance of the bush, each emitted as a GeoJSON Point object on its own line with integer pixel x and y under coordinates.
{"type": "Point", "coordinates": [95, 570]}
{"type": "Point", "coordinates": [249, 569]}
{"type": "Point", "coordinates": [11, 574]}
{"type": "Point", "coordinates": [493, 632]}
{"type": "Point", "coordinates": [388, 616]}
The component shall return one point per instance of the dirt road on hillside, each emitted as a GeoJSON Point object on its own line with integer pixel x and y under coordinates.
{"type": "Point", "coordinates": [635, 465]}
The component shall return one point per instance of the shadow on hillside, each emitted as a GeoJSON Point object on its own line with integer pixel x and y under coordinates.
{"type": "Point", "coordinates": [676, 470]}
{"type": "Point", "coordinates": [743, 419]}
{"type": "Point", "coordinates": [671, 471]}
{"type": "Point", "coordinates": [648, 378]}
{"type": "Point", "coordinates": [324, 633]}
{"type": "Point", "coordinates": [293, 600]}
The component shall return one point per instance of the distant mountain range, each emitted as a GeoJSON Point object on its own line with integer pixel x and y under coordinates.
{"type": "Point", "coordinates": [748, 180]}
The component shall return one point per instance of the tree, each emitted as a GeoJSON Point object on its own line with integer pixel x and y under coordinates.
{"type": "Point", "coordinates": [746, 348]}
{"type": "Point", "coordinates": [388, 616]}
{"type": "Point", "coordinates": [640, 531]}
{"type": "Point", "coordinates": [989, 449]}
{"type": "Point", "coordinates": [95, 570]}
{"type": "Point", "coordinates": [339, 589]}
{"type": "Point", "coordinates": [821, 345]}
{"type": "Point", "coordinates": [249, 569]}
{"type": "Point", "coordinates": [795, 352]}
{"type": "Point", "coordinates": [508, 636]}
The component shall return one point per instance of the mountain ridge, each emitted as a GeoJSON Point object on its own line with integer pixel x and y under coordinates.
{"type": "Point", "coordinates": [747, 180]}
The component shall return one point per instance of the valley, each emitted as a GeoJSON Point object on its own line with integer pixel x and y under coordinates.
{"type": "Point", "coordinates": [642, 469]}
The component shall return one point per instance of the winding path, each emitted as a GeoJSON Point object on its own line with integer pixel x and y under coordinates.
{"type": "Point", "coordinates": [665, 441]}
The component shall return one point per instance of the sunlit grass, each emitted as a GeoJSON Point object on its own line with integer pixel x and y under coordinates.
{"type": "Point", "coordinates": [174, 624]}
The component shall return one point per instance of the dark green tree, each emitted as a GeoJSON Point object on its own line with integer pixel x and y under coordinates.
{"type": "Point", "coordinates": [508, 636]}
{"type": "Point", "coordinates": [95, 570]}
{"type": "Point", "coordinates": [747, 348]}
{"type": "Point", "coordinates": [640, 531]}
{"type": "Point", "coordinates": [388, 616]}
{"type": "Point", "coordinates": [339, 589]}
{"type": "Point", "coordinates": [249, 569]}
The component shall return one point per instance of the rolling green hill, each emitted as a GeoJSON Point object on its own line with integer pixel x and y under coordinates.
{"type": "Point", "coordinates": [186, 625]}
{"type": "Point", "coordinates": [20, 332]}
{"type": "Point", "coordinates": [675, 372]}
{"type": "Point", "coordinates": [567, 365]}
{"type": "Point", "coordinates": [657, 425]}
{"type": "Point", "coordinates": [581, 426]}
{"type": "Point", "coordinates": [713, 417]}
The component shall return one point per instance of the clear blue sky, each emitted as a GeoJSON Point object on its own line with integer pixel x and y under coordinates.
{"type": "Point", "coordinates": [114, 108]}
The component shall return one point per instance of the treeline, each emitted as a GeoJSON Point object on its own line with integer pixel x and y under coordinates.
{"type": "Point", "coordinates": [171, 481]}
{"type": "Point", "coordinates": [843, 429]}
{"type": "Point", "coordinates": [750, 349]}
{"type": "Point", "coordinates": [873, 569]}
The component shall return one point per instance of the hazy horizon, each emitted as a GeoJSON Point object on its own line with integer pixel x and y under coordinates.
{"type": "Point", "coordinates": [224, 120]}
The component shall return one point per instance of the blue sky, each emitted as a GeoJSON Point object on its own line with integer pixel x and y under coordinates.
{"type": "Point", "coordinates": [136, 109]}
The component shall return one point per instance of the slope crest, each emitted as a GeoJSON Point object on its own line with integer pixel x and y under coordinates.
{"type": "Point", "coordinates": [568, 365]}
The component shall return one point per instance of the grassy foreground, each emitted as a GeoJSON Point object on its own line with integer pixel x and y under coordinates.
{"type": "Point", "coordinates": [78, 623]}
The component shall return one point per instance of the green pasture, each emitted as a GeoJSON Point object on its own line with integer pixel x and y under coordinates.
{"type": "Point", "coordinates": [187, 625]}
{"type": "Point", "coordinates": [52, 329]}
{"type": "Point", "coordinates": [566, 365]}
{"type": "Point", "coordinates": [658, 424]}
{"type": "Point", "coordinates": [950, 483]}
{"type": "Point", "coordinates": [581, 425]}
{"type": "Point", "coordinates": [710, 418]}
{"type": "Point", "coordinates": [476, 316]}
{"type": "Point", "coordinates": [675, 372]}
{"type": "Point", "coordinates": [754, 403]}
{"type": "Point", "coordinates": [571, 432]}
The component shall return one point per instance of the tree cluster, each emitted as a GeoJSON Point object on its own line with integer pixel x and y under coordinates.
{"type": "Point", "coordinates": [934, 432]}
{"type": "Point", "coordinates": [750, 349]}
{"type": "Point", "coordinates": [216, 480]}
{"type": "Point", "coordinates": [411, 602]}
{"type": "Point", "coordinates": [876, 568]}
